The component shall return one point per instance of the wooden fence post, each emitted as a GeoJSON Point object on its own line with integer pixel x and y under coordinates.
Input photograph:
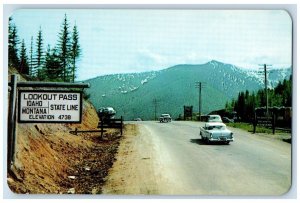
{"type": "Point", "coordinates": [273, 122]}
{"type": "Point", "coordinates": [254, 123]}
{"type": "Point", "coordinates": [11, 131]}
{"type": "Point", "coordinates": [101, 126]}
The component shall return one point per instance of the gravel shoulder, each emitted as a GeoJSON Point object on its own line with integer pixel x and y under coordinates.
{"type": "Point", "coordinates": [133, 172]}
{"type": "Point", "coordinates": [141, 167]}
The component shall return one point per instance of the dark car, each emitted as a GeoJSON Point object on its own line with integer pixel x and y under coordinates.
{"type": "Point", "coordinates": [106, 112]}
{"type": "Point", "coordinates": [227, 120]}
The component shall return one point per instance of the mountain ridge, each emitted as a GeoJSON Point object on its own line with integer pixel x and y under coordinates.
{"type": "Point", "coordinates": [174, 87]}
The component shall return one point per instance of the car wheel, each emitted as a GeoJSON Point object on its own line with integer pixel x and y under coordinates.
{"type": "Point", "coordinates": [227, 142]}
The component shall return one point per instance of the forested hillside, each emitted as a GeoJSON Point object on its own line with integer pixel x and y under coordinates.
{"type": "Point", "coordinates": [133, 94]}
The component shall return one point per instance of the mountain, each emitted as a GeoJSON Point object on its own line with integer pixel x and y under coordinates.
{"type": "Point", "coordinates": [132, 94]}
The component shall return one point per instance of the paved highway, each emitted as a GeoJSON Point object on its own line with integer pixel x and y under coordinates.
{"type": "Point", "coordinates": [171, 159]}
{"type": "Point", "coordinates": [251, 165]}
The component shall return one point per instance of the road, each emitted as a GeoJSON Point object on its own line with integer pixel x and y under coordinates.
{"type": "Point", "coordinates": [178, 162]}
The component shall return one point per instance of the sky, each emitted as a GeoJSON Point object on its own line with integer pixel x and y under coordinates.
{"type": "Point", "coordinates": [138, 40]}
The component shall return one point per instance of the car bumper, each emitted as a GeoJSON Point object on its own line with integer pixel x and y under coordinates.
{"type": "Point", "coordinates": [221, 139]}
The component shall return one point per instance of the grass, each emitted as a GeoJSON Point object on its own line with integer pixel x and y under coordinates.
{"type": "Point", "coordinates": [249, 127]}
{"type": "Point", "coordinates": [266, 132]}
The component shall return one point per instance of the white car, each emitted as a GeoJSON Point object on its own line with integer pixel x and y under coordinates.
{"type": "Point", "coordinates": [165, 118]}
{"type": "Point", "coordinates": [216, 131]}
{"type": "Point", "coordinates": [214, 118]}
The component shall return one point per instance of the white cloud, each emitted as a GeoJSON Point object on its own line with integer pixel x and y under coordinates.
{"type": "Point", "coordinates": [115, 41]}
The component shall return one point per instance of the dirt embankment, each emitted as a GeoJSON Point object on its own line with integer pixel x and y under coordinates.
{"type": "Point", "coordinates": [51, 160]}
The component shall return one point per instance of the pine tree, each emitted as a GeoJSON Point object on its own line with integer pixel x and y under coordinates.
{"type": "Point", "coordinates": [23, 67]}
{"type": "Point", "coordinates": [261, 97]}
{"type": "Point", "coordinates": [39, 60]}
{"type": "Point", "coordinates": [246, 103]}
{"type": "Point", "coordinates": [47, 66]}
{"type": "Point", "coordinates": [64, 47]}
{"type": "Point", "coordinates": [75, 51]}
{"type": "Point", "coordinates": [52, 64]}
{"type": "Point", "coordinates": [251, 107]}
{"type": "Point", "coordinates": [227, 106]}
{"type": "Point", "coordinates": [289, 92]}
{"type": "Point", "coordinates": [13, 41]}
{"type": "Point", "coordinates": [31, 72]}
{"type": "Point", "coordinates": [241, 105]}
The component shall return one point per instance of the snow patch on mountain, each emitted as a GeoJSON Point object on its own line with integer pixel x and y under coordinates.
{"type": "Point", "coordinates": [144, 81]}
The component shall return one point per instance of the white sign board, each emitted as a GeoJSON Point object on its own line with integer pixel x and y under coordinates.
{"type": "Point", "coordinates": [49, 106]}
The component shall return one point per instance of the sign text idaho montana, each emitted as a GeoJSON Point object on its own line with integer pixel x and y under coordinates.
{"type": "Point", "coordinates": [49, 106]}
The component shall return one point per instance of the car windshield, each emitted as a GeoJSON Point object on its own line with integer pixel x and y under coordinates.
{"type": "Point", "coordinates": [215, 118]}
{"type": "Point", "coordinates": [216, 127]}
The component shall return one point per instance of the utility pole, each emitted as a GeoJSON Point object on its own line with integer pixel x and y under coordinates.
{"type": "Point", "coordinates": [200, 85]}
{"type": "Point", "coordinates": [266, 89]}
{"type": "Point", "coordinates": [266, 86]}
{"type": "Point", "coordinates": [155, 102]}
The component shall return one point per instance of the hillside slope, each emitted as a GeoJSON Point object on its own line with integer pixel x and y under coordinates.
{"type": "Point", "coordinates": [132, 94]}
{"type": "Point", "coordinates": [51, 160]}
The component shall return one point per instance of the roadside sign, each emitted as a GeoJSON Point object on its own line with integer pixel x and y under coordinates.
{"type": "Point", "coordinates": [39, 106]}
{"type": "Point", "coordinates": [187, 112]}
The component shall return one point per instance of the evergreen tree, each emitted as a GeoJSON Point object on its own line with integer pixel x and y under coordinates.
{"type": "Point", "coordinates": [251, 105]}
{"type": "Point", "coordinates": [75, 51]}
{"type": "Point", "coordinates": [47, 66]}
{"type": "Point", "coordinates": [227, 106]}
{"type": "Point", "coordinates": [24, 67]}
{"type": "Point", "coordinates": [246, 103]}
{"type": "Point", "coordinates": [261, 97]}
{"type": "Point", "coordinates": [247, 109]}
{"type": "Point", "coordinates": [39, 54]}
{"type": "Point", "coordinates": [64, 47]}
{"type": "Point", "coordinates": [289, 93]}
{"type": "Point", "coordinates": [13, 41]}
{"type": "Point", "coordinates": [242, 105]}
{"type": "Point", "coordinates": [31, 72]}
{"type": "Point", "coordinates": [52, 64]}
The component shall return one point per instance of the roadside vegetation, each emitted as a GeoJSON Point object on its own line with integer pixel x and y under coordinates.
{"type": "Point", "coordinates": [249, 127]}
{"type": "Point", "coordinates": [244, 105]}
{"type": "Point", "coordinates": [51, 63]}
